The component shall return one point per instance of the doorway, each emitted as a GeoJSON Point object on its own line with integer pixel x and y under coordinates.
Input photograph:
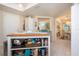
{"type": "Point", "coordinates": [62, 42]}
{"type": "Point", "coordinates": [63, 28]}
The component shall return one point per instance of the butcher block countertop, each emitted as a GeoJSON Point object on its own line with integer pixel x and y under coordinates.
{"type": "Point", "coordinates": [29, 34]}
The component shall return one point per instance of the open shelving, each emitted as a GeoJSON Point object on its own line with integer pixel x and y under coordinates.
{"type": "Point", "coordinates": [28, 44]}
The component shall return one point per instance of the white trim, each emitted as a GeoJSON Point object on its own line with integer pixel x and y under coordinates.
{"type": "Point", "coordinates": [28, 48]}
{"type": "Point", "coordinates": [9, 47]}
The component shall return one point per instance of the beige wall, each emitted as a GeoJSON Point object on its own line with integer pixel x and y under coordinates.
{"type": "Point", "coordinates": [1, 28]}
{"type": "Point", "coordinates": [1, 33]}
{"type": "Point", "coordinates": [1, 24]}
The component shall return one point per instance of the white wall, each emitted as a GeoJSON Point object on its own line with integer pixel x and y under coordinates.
{"type": "Point", "coordinates": [75, 30]}
{"type": "Point", "coordinates": [11, 22]}
{"type": "Point", "coordinates": [52, 29]}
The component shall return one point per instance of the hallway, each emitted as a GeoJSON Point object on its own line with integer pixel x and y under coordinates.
{"type": "Point", "coordinates": [61, 48]}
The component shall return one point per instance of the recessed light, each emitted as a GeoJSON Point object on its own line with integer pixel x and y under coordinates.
{"type": "Point", "coordinates": [20, 6]}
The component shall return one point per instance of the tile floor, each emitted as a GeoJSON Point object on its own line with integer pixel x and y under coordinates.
{"type": "Point", "coordinates": [61, 48]}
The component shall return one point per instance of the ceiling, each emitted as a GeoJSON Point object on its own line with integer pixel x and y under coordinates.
{"type": "Point", "coordinates": [19, 6]}
{"type": "Point", "coordinates": [37, 9]}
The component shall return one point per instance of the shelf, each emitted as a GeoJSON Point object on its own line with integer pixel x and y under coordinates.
{"type": "Point", "coordinates": [25, 41]}
{"type": "Point", "coordinates": [28, 48]}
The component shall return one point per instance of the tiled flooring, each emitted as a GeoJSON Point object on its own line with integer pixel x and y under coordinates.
{"type": "Point", "coordinates": [61, 48]}
{"type": "Point", "coordinates": [1, 51]}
